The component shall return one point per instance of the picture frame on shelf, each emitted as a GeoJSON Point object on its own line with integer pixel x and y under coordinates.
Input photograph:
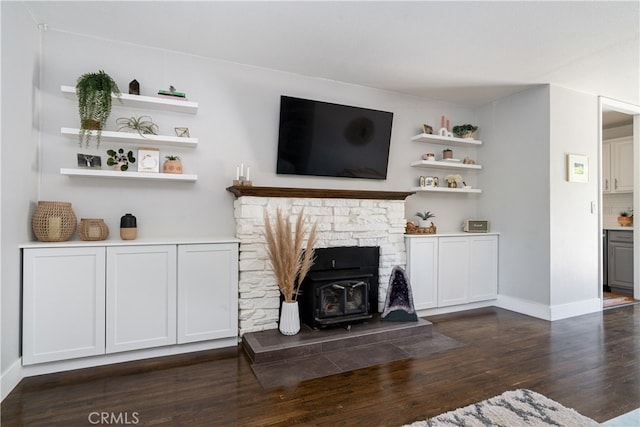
{"type": "Point", "coordinates": [89, 161]}
{"type": "Point", "coordinates": [577, 168]}
{"type": "Point", "coordinates": [148, 160]}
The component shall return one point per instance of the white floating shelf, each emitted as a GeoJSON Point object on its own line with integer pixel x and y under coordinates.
{"type": "Point", "coordinates": [447, 190]}
{"type": "Point", "coordinates": [141, 101]}
{"type": "Point", "coordinates": [100, 173]}
{"type": "Point", "coordinates": [135, 138]}
{"type": "Point", "coordinates": [445, 140]}
{"type": "Point", "coordinates": [443, 165]}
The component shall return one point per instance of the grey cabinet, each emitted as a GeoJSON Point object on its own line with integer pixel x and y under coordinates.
{"type": "Point", "coordinates": [620, 261]}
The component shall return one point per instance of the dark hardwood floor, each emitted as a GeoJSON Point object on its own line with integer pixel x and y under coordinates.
{"type": "Point", "coordinates": [589, 363]}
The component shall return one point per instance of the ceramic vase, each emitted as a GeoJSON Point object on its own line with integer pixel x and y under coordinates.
{"type": "Point", "coordinates": [289, 318]}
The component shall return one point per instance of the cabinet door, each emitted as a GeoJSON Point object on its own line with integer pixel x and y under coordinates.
{"type": "Point", "coordinates": [622, 173]}
{"type": "Point", "coordinates": [453, 271]}
{"type": "Point", "coordinates": [483, 268]}
{"type": "Point", "coordinates": [207, 292]}
{"type": "Point", "coordinates": [422, 268]}
{"type": "Point", "coordinates": [607, 184]}
{"type": "Point", "coordinates": [621, 265]}
{"type": "Point", "coordinates": [141, 297]}
{"type": "Point", "coordinates": [63, 303]}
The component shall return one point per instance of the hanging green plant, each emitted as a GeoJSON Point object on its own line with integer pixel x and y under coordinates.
{"type": "Point", "coordinates": [94, 91]}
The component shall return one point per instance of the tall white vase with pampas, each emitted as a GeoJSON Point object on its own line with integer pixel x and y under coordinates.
{"type": "Point", "coordinates": [289, 318]}
{"type": "Point", "coordinates": [291, 261]}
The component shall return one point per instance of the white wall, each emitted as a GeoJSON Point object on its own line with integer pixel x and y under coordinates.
{"type": "Point", "coordinates": [575, 233]}
{"type": "Point", "coordinates": [19, 169]}
{"type": "Point", "coordinates": [237, 122]}
{"type": "Point", "coordinates": [515, 179]}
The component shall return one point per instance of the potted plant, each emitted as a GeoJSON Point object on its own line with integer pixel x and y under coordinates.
{"type": "Point", "coordinates": [139, 124]}
{"type": "Point", "coordinates": [94, 91]}
{"type": "Point", "coordinates": [464, 131]}
{"type": "Point", "coordinates": [447, 153]}
{"type": "Point", "coordinates": [172, 164]}
{"type": "Point", "coordinates": [453, 180]}
{"type": "Point", "coordinates": [119, 159]}
{"type": "Point", "coordinates": [424, 216]}
{"type": "Point", "coordinates": [626, 218]}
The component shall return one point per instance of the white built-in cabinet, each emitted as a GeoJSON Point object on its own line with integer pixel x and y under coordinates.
{"type": "Point", "coordinates": [448, 270]}
{"type": "Point", "coordinates": [617, 165]}
{"type": "Point", "coordinates": [95, 299]}
{"type": "Point", "coordinates": [63, 303]}
{"type": "Point", "coordinates": [141, 297]}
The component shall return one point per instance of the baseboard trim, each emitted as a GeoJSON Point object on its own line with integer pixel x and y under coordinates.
{"type": "Point", "coordinates": [454, 308]}
{"type": "Point", "coordinates": [578, 308]}
{"type": "Point", "coordinates": [129, 356]}
{"type": "Point", "coordinates": [521, 306]}
{"type": "Point", "coordinates": [11, 378]}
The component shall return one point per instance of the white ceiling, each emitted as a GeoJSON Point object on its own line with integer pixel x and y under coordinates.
{"type": "Point", "coordinates": [469, 53]}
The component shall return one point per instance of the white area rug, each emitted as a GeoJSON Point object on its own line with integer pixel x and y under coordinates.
{"type": "Point", "coordinates": [510, 409]}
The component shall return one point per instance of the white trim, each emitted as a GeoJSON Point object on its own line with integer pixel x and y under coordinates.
{"type": "Point", "coordinates": [11, 378]}
{"type": "Point", "coordinates": [577, 308]}
{"type": "Point", "coordinates": [108, 359]}
{"type": "Point", "coordinates": [521, 306]}
{"type": "Point", "coordinates": [455, 308]}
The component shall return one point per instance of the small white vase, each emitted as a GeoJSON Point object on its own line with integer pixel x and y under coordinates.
{"type": "Point", "coordinates": [289, 318]}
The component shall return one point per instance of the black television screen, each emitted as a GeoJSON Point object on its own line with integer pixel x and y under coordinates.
{"type": "Point", "coordinates": [323, 139]}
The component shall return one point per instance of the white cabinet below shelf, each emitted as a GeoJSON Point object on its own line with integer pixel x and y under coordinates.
{"type": "Point", "coordinates": [100, 173]}
{"type": "Point", "coordinates": [135, 138]}
{"type": "Point", "coordinates": [141, 101]}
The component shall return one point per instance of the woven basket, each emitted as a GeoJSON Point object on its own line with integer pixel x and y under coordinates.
{"type": "Point", "coordinates": [53, 221]}
{"type": "Point", "coordinates": [92, 229]}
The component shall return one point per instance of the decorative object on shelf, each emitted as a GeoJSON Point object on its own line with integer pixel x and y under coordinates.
{"type": "Point", "coordinates": [242, 180]}
{"type": "Point", "coordinates": [119, 159]}
{"type": "Point", "coordinates": [182, 132]}
{"type": "Point", "coordinates": [89, 161]}
{"type": "Point", "coordinates": [290, 260]}
{"type": "Point", "coordinates": [91, 229]}
{"type": "Point", "coordinates": [94, 91]}
{"type": "Point", "coordinates": [148, 160]}
{"type": "Point", "coordinates": [468, 161]}
{"type": "Point", "coordinates": [465, 131]}
{"type": "Point", "coordinates": [424, 216]}
{"type": "Point", "coordinates": [436, 181]}
{"type": "Point", "coordinates": [426, 181]}
{"type": "Point", "coordinates": [411, 228]}
{"type": "Point", "coordinates": [398, 305]}
{"type": "Point", "coordinates": [577, 168]}
{"type": "Point", "coordinates": [134, 87]}
{"type": "Point", "coordinates": [447, 153]}
{"type": "Point", "coordinates": [172, 164]}
{"type": "Point", "coordinates": [445, 127]}
{"type": "Point", "coordinates": [139, 124]}
{"type": "Point", "coordinates": [53, 221]}
{"type": "Point", "coordinates": [429, 157]}
{"type": "Point", "coordinates": [427, 129]}
{"type": "Point", "coordinates": [172, 93]}
{"type": "Point", "coordinates": [625, 219]}
{"type": "Point", "coordinates": [452, 180]}
{"type": "Point", "coordinates": [464, 185]}
{"type": "Point", "coordinates": [128, 227]}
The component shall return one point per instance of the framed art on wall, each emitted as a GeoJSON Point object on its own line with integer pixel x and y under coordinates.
{"type": "Point", "coordinates": [148, 160]}
{"type": "Point", "coordinates": [577, 168]}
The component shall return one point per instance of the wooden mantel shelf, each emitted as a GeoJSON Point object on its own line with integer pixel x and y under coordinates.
{"type": "Point", "coordinates": [317, 193]}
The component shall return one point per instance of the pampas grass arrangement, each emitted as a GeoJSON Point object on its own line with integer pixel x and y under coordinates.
{"type": "Point", "coordinates": [286, 254]}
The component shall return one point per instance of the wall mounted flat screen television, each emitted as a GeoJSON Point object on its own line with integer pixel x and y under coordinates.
{"type": "Point", "coordinates": [323, 139]}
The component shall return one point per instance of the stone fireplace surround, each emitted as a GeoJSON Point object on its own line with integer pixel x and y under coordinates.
{"type": "Point", "coordinates": [344, 218]}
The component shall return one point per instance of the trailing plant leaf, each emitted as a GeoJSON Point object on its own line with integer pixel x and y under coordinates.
{"type": "Point", "coordinates": [94, 92]}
